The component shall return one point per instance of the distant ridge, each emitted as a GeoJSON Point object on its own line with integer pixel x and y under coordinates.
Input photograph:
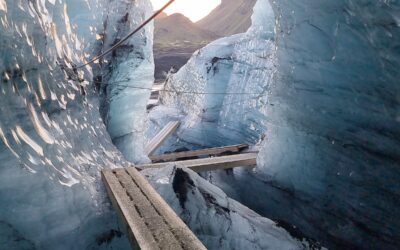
{"type": "Point", "coordinates": [230, 17]}
{"type": "Point", "coordinates": [178, 28]}
{"type": "Point", "coordinates": [176, 37]}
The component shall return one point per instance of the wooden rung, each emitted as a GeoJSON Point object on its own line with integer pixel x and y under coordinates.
{"type": "Point", "coordinates": [156, 142]}
{"type": "Point", "coordinates": [207, 151]}
{"type": "Point", "coordinates": [209, 164]}
{"type": "Point", "coordinates": [152, 102]}
{"type": "Point", "coordinates": [149, 221]}
{"type": "Point", "coordinates": [158, 87]}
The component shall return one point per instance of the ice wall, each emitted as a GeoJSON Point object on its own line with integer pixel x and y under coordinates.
{"type": "Point", "coordinates": [333, 131]}
{"type": "Point", "coordinates": [53, 143]}
{"type": "Point", "coordinates": [129, 66]}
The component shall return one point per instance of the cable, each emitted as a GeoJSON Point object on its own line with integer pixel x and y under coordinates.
{"type": "Point", "coordinates": [127, 37]}
{"type": "Point", "coordinates": [180, 92]}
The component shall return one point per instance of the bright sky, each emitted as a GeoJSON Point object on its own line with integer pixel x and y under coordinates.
{"type": "Point", "coordinates": [193, 9]}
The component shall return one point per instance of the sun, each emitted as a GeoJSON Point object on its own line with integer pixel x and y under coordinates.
{"type": "Point", "coordinates": [193, 9]}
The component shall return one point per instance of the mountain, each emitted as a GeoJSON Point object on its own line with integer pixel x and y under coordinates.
{"type": "Point", "coordinates": [178, 28]}
{"type": "Point", "coordinates": [176, 37]}
{"type": "Point", "coordinates": [230, 17]}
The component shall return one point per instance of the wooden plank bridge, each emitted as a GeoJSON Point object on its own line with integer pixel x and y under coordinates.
{"type": "Point", "coordinates": [210, 164]}
{"type": "Point", "coordinates": [146, 218]}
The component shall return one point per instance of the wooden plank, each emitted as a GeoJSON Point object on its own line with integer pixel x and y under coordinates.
{"type": "Point", "coordinates": [181, 231]}
{"type": "Point", "coordinates": [146, 217]}
{"type": "Point", "coordinates": [194, 153]}
{"type": "Point", "coordinates": [138, 234]}
{"type": "Point", "coordinates": [154, 222]}
{"type": "Point", "coordinates": [159, 139]}
{"type": "Point", "coordinates": [209, 164]}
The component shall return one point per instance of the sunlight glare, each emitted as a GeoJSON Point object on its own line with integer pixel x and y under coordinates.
{"type": "Point", "coordinates": [193, 9]}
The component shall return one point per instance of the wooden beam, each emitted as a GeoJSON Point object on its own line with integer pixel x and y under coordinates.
{"type": "Point", "coordinates": [148, 220]}
{"type": "Point", "coordinates": [159, 139]}
{"type": "Point", "coordinates": [209, 164]}
{"type": "Point", "coordinates": [194, 153]}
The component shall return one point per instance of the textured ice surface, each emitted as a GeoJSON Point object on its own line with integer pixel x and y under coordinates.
{"type": "Point", "coordinates": [53, 143]}
{"type": "Point", "coordinates": [328, 114]}
{"type": "Point", "coordinates": [218, 221]}
{"type": "Point", "coordinates": [334, 132]}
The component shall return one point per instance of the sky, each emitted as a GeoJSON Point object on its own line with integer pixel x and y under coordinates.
{"type": "Point", "coordinates": [193, 9]}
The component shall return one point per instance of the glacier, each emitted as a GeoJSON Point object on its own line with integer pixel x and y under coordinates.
{"type": "Point", "coordinates": [313, 85]}
{"type": "Point", "coordinates": [324, 115]}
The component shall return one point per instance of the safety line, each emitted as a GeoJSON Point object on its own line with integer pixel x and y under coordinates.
{"type": "Point", "coordinates": [180, 92]}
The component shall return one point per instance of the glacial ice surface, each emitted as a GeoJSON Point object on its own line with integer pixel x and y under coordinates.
{"type": "Point", "coordinates": [53, 142]}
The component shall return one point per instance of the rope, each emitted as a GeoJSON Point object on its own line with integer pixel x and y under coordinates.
{"type": "Point", "coordinates": [127, 37]}
{"type": "Point", "coordinates": [181, 92]}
